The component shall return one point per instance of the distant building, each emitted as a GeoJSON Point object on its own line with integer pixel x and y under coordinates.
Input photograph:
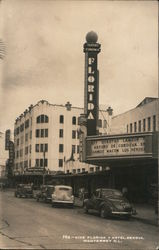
{"type": "Point", "coordinates": [3, 152]}
{"type": "Point", "coordinates": [48, 134]}
{"type": "Point", "coordinates": [143, 118]}
{"type": "Point", "coordinates": [2, 171]}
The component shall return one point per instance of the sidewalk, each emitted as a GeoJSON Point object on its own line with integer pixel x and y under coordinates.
{"type": "Point", "coordinates": [146, 213]}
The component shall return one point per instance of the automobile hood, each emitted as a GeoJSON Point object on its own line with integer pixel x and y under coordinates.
{"type": "Point", "coordinates": [122, 202]}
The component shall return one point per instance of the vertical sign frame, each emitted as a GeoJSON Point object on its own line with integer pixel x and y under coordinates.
{"type": "Point", "coordinates": [91, 105]}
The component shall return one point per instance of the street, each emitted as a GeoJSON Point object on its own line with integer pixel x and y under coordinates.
{"type": "Point", "coordinates": [28, 224]}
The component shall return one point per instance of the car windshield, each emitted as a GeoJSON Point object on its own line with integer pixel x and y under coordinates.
{"type": "Point", "coordinates": [111, 193]}
{"type": "Point", "coordinates": [65, 190]}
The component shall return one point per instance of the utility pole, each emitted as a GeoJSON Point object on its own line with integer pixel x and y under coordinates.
{"type": "Point", "coordinates": [44, 167]}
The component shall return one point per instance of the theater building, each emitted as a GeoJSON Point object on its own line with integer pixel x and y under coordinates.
{"type": "Point", "coordinates": [48, 134]}
{"type": "Point", "coordinates": [143, 118]}
{"type": "Point", "coordinates": [129, 155]}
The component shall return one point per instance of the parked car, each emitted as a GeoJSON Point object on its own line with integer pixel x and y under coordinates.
{"type": "Point", "coordinates": [45, 193]}
{"type": "Point", "coordinates": [62, 195]}
{"type": "Point", "coordinates": [109, 202]}
{"type": "Point", "coordinates": [24, 190]}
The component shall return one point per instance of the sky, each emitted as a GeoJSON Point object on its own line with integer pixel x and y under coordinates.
{"type": "Point", "coordinates": [44, 56]}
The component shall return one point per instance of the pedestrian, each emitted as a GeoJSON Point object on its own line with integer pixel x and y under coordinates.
{"type": "Point", "coordinates": [125, 192]}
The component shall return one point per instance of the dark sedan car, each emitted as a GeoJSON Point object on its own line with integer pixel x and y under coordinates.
{"type": "Point", "coordinates": [109, 202]}
{"type": "Point", "coordinates": [24, 190]}
{"type": "Point", "coordinates": [45, 193]}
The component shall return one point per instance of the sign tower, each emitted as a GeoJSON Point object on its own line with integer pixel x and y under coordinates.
{"type": "Point", "coordinates": [91, 92]}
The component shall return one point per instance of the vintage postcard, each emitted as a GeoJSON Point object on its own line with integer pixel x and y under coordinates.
{"type": "Point", "coordinates": [79, 124]}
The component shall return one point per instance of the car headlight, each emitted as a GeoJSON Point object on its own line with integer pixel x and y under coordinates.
{"type": "Point", "coordinates": [119, 206]}
{"type": "Point", "coordinates": [53, 196]}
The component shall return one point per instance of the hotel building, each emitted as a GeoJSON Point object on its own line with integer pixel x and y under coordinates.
{"type": "Point", "coordinates": [47, 134]}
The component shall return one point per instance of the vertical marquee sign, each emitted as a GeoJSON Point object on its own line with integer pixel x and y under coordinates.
{"type": "Point", "coordinates": [91, 50]}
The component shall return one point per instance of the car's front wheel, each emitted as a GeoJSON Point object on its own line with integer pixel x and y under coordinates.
{"type": "Point", "coordinates": [103, 212]}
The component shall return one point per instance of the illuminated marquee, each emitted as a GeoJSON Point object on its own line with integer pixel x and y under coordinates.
{"type": "Point", "coordinates": [119, 146]}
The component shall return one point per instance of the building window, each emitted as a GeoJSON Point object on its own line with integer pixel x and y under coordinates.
{"type": "Point", "coordinates": [61, 148]}
{"type": "Point", "coordinates": [46, 132]}
{"type": "Point", "coordinates": [42, 119]}
{"type": "Point", "coordinates": [61, 133]}
{"type": "Point", "coordinates": [135, 127]}
{"type": "Point", "coordinates": [42, 132]}
{"type": "Point", "coordinates": [74, 171]}
{"type": "Point", "coordinates": [22, 127]}
{"type": "Point", "coordinates": [26, 137]}
{"type": "Point", "coordinates": [26, 150]}
{"type": "Point", "coordinates": [154, 123]}
{"type": "Point", "coordinates": [36, 147]}
{"type": "Point", "coordinates": [83, 169]}
{"type": "Point", "coordinates": [61, 119]}
{"type": "Point", "coordinates": [149, 123]}
{"type": "Point", "coordinates": [21, 152]}
{"type": "Point", "coordinates": [37, 133]}
{"type": "Point", "coordinates": [68, 171]}
{"type": "Point", "coordinates": [74, 120]}
{"type": "Point", "coordinates": [45, 162]}
{"type": "Point", "coordinates": [127, 127]}
{"type": "Point", "coordinates": [37, 162]}
{"type": "Point", "coordinates": [27, 123]}
{"type": "Point", "coordinates": [17, 131]}
{"type": "Point", "coordinates": [30, 149]}
{"type": "Point", "coordinates": [18, 142]}
{"type": "Point", "coordinates": [31, 134]}
{"type": "Point", "coordinates": [130, 127]}
{"type": "Point", "coordinates": [73, 134]}
{"type": "Point", "coordinates": [100, 123]}
{"type": "Point", "coordinates": [38, 119]}
{"type": "Point", "coordinates": [41, 162]}
{"type": "Point", "coordinates": [73, 149]}
{"type": "Point", "coordinates": [139, 127]}
{"type": "Point", "coordinates": [17, 154]}
{"type": "Point", "coordinates": [60, 163]}
{"type": "Point", "coordinates": [91, 169]}
{"type": "Point", "coordinates": [41, 147]}
{"type": "Point", "coordinates": [144, 125]}
{"type": "Point", "coordinates": [78, 170]}
{"type": "Point", "coordinates": [77, 149]}
{"type": "Point", "coordinates": [104, 124]}
{"type": "Point", "coordinates": [29, 163]}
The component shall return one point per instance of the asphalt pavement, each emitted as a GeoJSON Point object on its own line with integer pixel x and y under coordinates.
{"type": "Point", "coordinates": [28, 224]}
